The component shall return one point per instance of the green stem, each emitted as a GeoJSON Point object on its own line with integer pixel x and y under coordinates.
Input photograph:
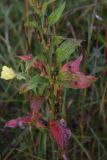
{"type": "Point", "coordinates": [52, 97]}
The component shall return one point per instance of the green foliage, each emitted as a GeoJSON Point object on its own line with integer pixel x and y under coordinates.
{"type": "Point", "coordinates": [32, 24]}
{"type": "Point", "coordinates": [84, 110]}
{"type": "Point", "coordinates": [55, 16]}
{"type": "Point", "coordinates": [65, 50]}
{"type": "Point", "coordinates": [36, 81]}
{"type": "Point", "coordinates": [45, 5]}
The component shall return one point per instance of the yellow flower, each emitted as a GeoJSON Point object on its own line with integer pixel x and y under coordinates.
{"type": "Point", "coordinates": [7, 73]}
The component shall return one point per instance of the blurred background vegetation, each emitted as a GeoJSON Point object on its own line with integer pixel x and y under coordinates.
{"type": "Point", "coordinates": [87, 109]}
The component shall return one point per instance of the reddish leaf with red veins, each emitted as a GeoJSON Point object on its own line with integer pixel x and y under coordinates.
{"type": "Point", "coordinates": [72, 66]}
{"type": "Point", "coordinates": [75, 64]}
{"type": "Point", "coordinates": [24, 120]}
{"type": "Point", "coordinates": [38, 65]}
{"type": "Point", "coordinates": [11, 123]}
{"type": "Point", "coordinates": [72, 78]}
{"type": "Point", "coordinates": [19, 122]}
{"type": "Point", "coordinates": [60, 133]}
{"type": "Point", "coordinates": [25, 58]}
{"type": "Point", "coordinates": [83, 81]}
{"type": "Point", "coordinates": [36, 104]}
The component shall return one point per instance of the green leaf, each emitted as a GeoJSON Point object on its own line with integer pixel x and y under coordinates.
{"type": "Point", "coordinates": [32, 24]}
{"type": "Point", "coordinates": [41, 57]}
{"type": "Point", "coordinates": [30, 63]}
{"type": "Point", "coordinates": [36, 81]}
{"type": "Point", "coordinates": [32, 2]}
{"type": "Point", "coordinates": [58, 39]}
{"type": "Point", "coordinates": [21, 76]}
{"type": "Point", "coordinates": [55, 16]}
{"type": "Point", "coordinates": [65, 50]}
{"type": "Point", "coordinates": [45, 5]}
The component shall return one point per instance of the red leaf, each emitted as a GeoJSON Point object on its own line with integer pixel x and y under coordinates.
{"type": "Point", "coordinates": [83, 81]}
{"type": "Point", "coordinates": [25, 58]}
{"type": "Point", "coordinates": [19, 122]}
{"type": "Point", "coordinates": [24, 120]}
{"type": "Point", "coordinates": [60, 133]}
{"type": "Point", "coordinates": [39, 125]}
{"type": "Point", "coordinates": [76, 79]}
{"type": "Point", "coordinates": [11, 123]}
{"type": "Point", "coordinates": [36, 104]}
{"type": "Point", "coordinates": [72, 66]}
{"type": "Point", "coordinates": [40, 66]}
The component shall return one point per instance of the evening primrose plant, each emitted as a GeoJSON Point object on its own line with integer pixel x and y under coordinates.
{"type": "Point", "coordinates": [47, 72]}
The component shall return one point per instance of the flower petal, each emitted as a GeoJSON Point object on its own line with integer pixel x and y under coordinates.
{"type": "Point", "coordinates": [7, 73]}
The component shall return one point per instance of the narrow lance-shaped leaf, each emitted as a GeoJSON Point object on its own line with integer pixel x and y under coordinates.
{"type": "Point", "coordinates": [71, 77]}
{"type": "Point", "coordinates": [38, 64]}
{"type": "Point", "coordinates": [60, 133]}
{"type": "Point", "coordinates": [55, 16]}
{"type": "Point", "coordinates": [36, 104]}
{"type": "Point", "coordinates": [82, 82]}
{"type": "Point", "coordinates": [78, 80]}
{"type": "Point", "coordinates": [45, 5]}
{"type": "Point", "coordinates": [25, 57]}
{"type": "Point", "coordinates": [19, 122]}
{"type": "Point", "coordinates": [57, 40]}
{"type": "Point", "coordinates": [36, 81]}
{"type": "Point", "coordinates": [72, 66]}
{"type": "Point", "coordinates": [64, 51]}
